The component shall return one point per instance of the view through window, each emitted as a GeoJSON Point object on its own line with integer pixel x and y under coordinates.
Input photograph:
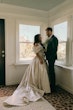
{"type": "Point", "coordinates": [26, 39]}
{"type": "Point", "coordinates": [60, 31]}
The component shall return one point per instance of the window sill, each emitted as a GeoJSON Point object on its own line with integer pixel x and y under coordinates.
{"type": "Point", "coordinates": [26, 62]}
{"type": "Point", "coordinates": [57, 63]}
{"type": "Point", "coordinates": [62, 65]}
{"type": "Point", "coordinates": [21, 64]}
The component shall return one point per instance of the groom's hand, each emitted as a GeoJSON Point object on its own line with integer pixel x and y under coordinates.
{"type": "Point", "coordinates": [41, 61]}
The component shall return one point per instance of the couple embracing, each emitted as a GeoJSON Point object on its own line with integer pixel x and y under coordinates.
{"type": "Point", "coordinates": [39, 77]}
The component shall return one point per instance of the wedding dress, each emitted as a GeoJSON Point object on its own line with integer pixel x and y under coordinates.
{"type": "Point", "coordinates": [34, 83]}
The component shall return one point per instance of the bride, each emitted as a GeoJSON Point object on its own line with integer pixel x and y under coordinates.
{"type": "Point", "coordinates": [35, 81]}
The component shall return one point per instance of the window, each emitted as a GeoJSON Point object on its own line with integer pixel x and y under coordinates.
{"type": "Point", "coordinates": [60, 31]}
{"type": "Point", "coordinates": [25, 45]}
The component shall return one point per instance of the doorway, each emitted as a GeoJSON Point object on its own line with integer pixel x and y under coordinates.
{"type": "Point", "coordinates": [2, 52]}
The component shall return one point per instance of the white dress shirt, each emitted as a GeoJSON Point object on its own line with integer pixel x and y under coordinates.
{"type": "Point", "coordinates": [46, 42]}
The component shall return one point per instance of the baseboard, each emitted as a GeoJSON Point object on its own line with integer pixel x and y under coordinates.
{"type": "Point", "coordinates": [66, 88]}
{"type": "Point", "coordinates": [12, 83]}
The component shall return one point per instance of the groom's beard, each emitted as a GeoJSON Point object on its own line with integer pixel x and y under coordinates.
{"type": "Point", "coordinates": [40, 42]}
{"type": "Point", "coordinates": [49, 36]}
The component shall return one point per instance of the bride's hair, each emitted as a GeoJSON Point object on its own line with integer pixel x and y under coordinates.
{"type": "Point", "coordinates": [36, 38]}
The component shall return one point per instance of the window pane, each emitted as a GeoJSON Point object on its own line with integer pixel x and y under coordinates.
{"type": "Point", "coordinates": [26, 39]}
{"type": "Point", "coordinates": [26, 51]}
{"type": "Point", "coordinates": [27, 32]}
{"type": "Point", "coordinates": [60, 30]}
{"type": "Point", "coordinates": [62, 51]}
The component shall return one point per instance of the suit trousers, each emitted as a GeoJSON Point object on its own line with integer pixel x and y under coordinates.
{"type": "Point", "coordinates": [52, 75]}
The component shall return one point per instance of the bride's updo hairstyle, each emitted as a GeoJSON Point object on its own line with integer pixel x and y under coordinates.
{"type": "Point", "coordinates": [37, 39]}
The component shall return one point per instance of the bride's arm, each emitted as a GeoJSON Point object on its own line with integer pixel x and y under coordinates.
{"type": "Point", "coordinates": [36, 50]}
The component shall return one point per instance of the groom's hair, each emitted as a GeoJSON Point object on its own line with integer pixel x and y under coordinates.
{"type": "Point", "coordinates": [49, 29]}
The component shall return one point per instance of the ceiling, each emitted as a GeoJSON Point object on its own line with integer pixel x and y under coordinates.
{"type": "Point", "coordinates": [44, 5]}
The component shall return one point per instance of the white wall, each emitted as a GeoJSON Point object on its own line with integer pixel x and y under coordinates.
{"type": "Point", "coordinates": [64, 76]}
{"type": "Point", "coordinates": [13, 73]}
{"type": "Point", "coordinates": [12, 14]}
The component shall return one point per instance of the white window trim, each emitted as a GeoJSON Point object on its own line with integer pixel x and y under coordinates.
{"type": "Point", "coordinates": [69, 48]}
{"type": "Point", "coordinates": [62, 65]}
{"type": "Point", "coordinates": [17, 39]}
{"type": "Point", "coordinates": [58, 62]}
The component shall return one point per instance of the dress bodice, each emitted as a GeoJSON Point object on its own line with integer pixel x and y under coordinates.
{"type": "Point", "coordinates": [39, 49]}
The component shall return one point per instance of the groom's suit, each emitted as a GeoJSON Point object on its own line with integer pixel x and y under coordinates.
{"type": "Point", "coordinates": [51, 56]}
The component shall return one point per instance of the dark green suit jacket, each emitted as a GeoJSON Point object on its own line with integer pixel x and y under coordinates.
{"type": "Point", "coordinates": [51, 54]}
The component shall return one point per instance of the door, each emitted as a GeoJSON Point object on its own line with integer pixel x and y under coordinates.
{"type": "Point", "coordinates": [2, 52]}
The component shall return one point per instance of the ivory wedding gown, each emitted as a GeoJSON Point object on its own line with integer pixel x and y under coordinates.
{"type": "Point", "coordinates": [34, 83]}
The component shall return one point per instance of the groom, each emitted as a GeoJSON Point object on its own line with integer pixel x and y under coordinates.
{"type": "Point", "coordinates": [51, 55]}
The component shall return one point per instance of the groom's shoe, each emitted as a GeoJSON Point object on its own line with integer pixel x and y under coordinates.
{"type": "Point", "coordinates": [47, 94]}
{"type": "Point", "coordinates": [53, 89]}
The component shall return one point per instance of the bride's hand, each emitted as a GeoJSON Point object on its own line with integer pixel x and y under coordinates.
{"type": "Point", "coordinates": [41, 61]}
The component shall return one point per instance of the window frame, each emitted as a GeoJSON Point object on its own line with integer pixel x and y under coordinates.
{"type": "Point", "coordinates": [69, 44]}
{"type": "Point", "coordinates": [18, 62]}
{"type": "Point", "coordinates": [61, 20]}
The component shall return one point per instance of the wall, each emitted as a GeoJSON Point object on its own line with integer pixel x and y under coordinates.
{"type": "Point", "coordinates": [12, 14]}
{"type": "Point", "coordinates": [64, 78]}
{"type": "Point", "coordinates": [64, 75]}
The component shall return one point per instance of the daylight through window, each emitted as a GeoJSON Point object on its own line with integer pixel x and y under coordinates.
{"type": "Point", "coordinates": [26, 39]}
{"type": "Point", "coordinates": [60, 31]}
